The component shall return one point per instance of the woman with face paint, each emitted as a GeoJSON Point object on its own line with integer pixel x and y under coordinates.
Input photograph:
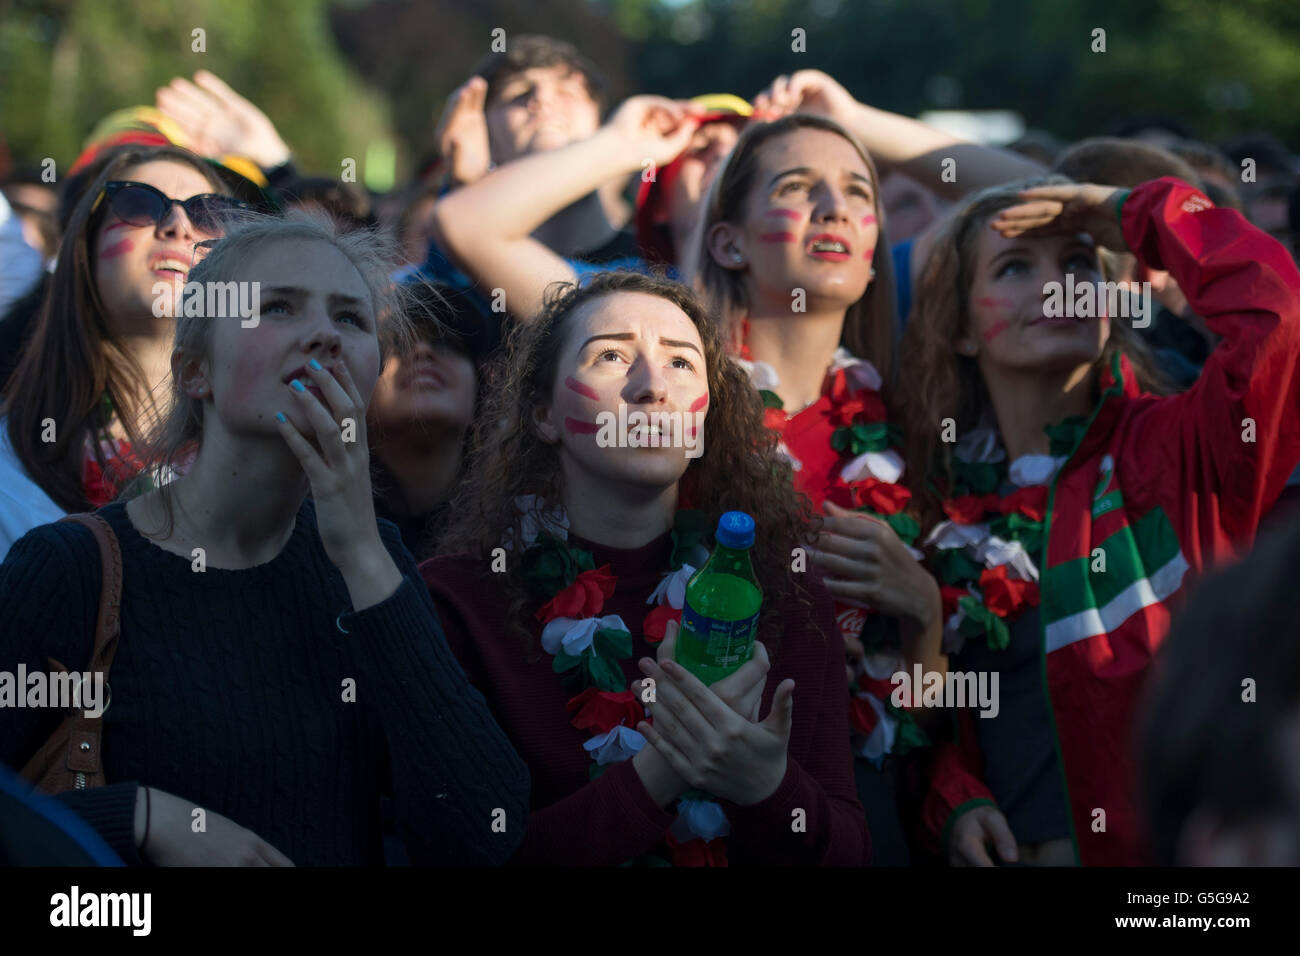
{"type": "Point", "coordinates": [579, 535]}
{"type": "Point", "coordinates": [91, 378]}
{"type": "Point", "coordinates": [280, 665]}
{"type": "Point", "coordinates": [792, 252]}
{"type": "Point", "coordinates": [1069, 506]}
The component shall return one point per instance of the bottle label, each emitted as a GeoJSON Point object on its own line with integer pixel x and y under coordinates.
{"type": "Point", "coordinates": [723, 643]}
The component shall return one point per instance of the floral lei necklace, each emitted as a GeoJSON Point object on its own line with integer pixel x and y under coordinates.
{"type": "Point", "coordinates": [983, 553]}
{"type": "Point", "coordinates": [868, 469]}
{"type": "Point", "coordinates": [588, 648]}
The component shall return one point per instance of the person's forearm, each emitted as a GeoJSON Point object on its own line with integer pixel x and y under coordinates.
{"type": "Point", "coordinates": [660, 780]}
{"type": "Point", "coordinates": [513, 200]}
{"type": "Point", "coordinates": [920, 150]}
{"type": "Point", "coordinates": [371, 576]}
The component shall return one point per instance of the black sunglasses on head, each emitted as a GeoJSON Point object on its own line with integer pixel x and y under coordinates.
{"type": "Point", "coordinates": [142, 205]}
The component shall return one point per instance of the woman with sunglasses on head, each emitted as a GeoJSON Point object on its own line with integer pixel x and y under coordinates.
{"type": "Point", "coordinates": [280, 665]}
{"type": "Point", "coordinates": [84, 390]}
{"type": "Point", "coordinates": [1070, 504]}
{"type": "Point", "coordinates": [626, 522]}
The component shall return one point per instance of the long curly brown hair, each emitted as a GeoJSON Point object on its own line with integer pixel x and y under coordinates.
{"type": "Point", "coordinates": [739, 469]}
{"type": "Point", "coordinates": [935, 382]}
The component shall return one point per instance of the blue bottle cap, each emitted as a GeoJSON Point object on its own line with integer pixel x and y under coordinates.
{"type": "Point", "coordinates": [735, 530]}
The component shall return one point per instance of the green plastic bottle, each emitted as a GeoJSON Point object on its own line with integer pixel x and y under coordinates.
{"type": "Point", "coordinates": [720, 615]}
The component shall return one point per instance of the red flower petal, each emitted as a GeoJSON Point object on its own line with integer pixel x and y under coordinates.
{"type": "Point", "coordinates": [774, 418]}
{"type": "Point", "coordinates": [657, 620]}
{"type": "Point", "coordinates": [697, 852]}
{"type": "Point", "coordinates": [1030, 502]}
{"type": "Point", "coordinates": [1006, 596]}
{"type": "Point", "coordinates": [881, 496]}
{"type": "Point", "coordinates": [601, 711]}
{"type": "Point", "coordinates": [862, 718]}
{"type": "Point", "coordinates": [950, 595]}
{"type": "Point", "coordinates": [583, 598]}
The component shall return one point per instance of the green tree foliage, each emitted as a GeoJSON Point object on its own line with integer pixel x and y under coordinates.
{"type": "Point", "coordinates": [1221, 68]}
{"type": "Point", "coordinates": [64, 65]}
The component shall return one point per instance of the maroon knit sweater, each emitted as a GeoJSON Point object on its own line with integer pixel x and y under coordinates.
{"type": "Point", "coordinates": [612, 819]}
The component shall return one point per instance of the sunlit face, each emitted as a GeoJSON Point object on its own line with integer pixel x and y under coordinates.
{"type": "Point", "coordinates": [694, 170]}
{"type": "Point", "coordinates": [1008, 329]}
{"type": "Point", "coordinates": [129, 260]}
{"type": "Point", "coordinates": [633, 349]}
{"type": "Point", "coordinates": [539, 109]}
{"type": "Point", "coordinates": [314, 305]}
{"type": "Point", "coordinates": [433, 385]}
{"type": "Point", "coordinates": [810, 223]}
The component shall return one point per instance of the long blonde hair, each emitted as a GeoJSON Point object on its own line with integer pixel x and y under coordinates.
{"type": "Point", "coordinates": [869, 323]}
{"type": "Point", "coordinates": [177, 436]}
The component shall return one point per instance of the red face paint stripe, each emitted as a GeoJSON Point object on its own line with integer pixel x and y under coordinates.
{"type": "Point", "coordinates": [990, 303]}
{"type": "Point", "coordinates": [117, 225]}
{"type": "Point", "coordinates": [996, 329]}
{"type": "Point", "coordinates": [869, 254]}
{"type": "Point", "coordinates": [868, 220]}
{"type": "Point", "coordinates": [699, 403]}
{"type": "Point", "coordinates": [586, 391]}
{"type": "Point", "coordinates": [784, 214]}
{"type": "Point", "coordinates": [777, 237]}
{"type": "Point", "coordinates": [578, 427]}
{"type": "Point", "coordinates": [117, 249]}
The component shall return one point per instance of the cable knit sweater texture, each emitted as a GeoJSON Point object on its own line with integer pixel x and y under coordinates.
{"type": "Point", "coordinates": [228, 690]}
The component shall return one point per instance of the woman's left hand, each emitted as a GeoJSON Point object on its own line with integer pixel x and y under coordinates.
{"type": "Point", "coordinates": [339, 472]}
{"type": "Point", "coordinates": [866, 563]}
{"type": "Point", "coordinates": [712, 747]}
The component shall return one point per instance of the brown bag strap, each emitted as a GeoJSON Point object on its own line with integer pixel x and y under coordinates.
{"type": "Point", "coordinates": [71, 757]}
{"type": "Point", "coordinates": [109, 623]}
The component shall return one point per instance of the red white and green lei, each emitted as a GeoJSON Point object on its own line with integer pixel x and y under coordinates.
{"type": "Point", "coordinates": [869, 467]}
{"type": "Point", "coordinates": [588, 648]}
{"type": "Point", "coordinates": [984, 551]}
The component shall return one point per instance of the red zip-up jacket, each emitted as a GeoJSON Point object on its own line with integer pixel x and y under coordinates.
{"type": "Point", "coordinates": [1162, 489]}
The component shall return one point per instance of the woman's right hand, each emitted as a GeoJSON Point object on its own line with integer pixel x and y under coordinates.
{"type": "Point", "coordinates": [172, 840]}
{"type": "Point", "coordinates": [976, 830]}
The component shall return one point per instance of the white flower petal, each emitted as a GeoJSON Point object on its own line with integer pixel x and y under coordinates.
{"type": "Point", "coordinates": [1029, 470]}
{"type": "Point", "coordinates": [980, 445]}
{"type": "Point", "coordinates": [672, 587]}
{"type": "Point", "coordinates": [762, 375]}
{"type": "Point", "coordinates": [703, 819]}
{"type": "Point", "coordinates": [884, 465]}
{"type": "Point", "coordinates": [882, 666]}
{"type": "Point", "coordinates": [949, 534]}
{"type": "Point", "coordinates": [881, 740]}
{"type": "Point", "coordinates": [995, 552]}
{"type": "Point", "coordinates": [619, 744]}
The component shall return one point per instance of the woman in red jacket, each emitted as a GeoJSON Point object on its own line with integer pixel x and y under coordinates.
{"type": "Point", "coordinates": [585, 544]}
{"type": "Point", "coordinates": [1076, 499]}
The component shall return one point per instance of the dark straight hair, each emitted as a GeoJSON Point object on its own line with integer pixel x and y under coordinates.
{"type": "Point", "coordinates": [73, 362]}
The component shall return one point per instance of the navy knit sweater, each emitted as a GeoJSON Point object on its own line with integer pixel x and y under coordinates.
{"type": "Point", "coordinates": [228, 690]}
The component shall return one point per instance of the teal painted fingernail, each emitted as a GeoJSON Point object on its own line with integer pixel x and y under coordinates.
{"type": "Point", "coordinates": [279, 417]}
{"type": "Point", "coordinates": [298, 386]}
{"type": "Point", "coordinates": [314, 365]}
